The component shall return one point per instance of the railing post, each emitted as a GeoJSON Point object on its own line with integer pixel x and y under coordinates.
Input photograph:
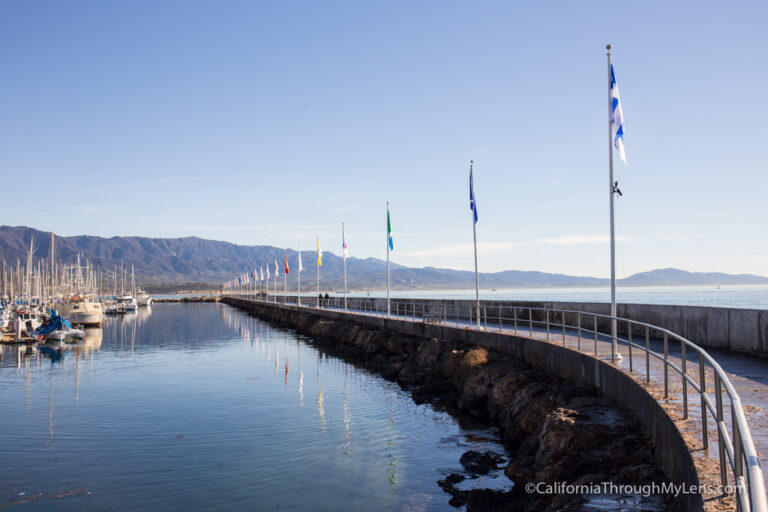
{"type": "Point", "coordinates": [629, 344]}
{"type": "Point", "coordinates": [514, 314]}
{"type": "Point", "coordinates": [738, 454]}
{"type": "Point", "coordinates": [456, 306]}
{"type": "Point", "coordinates": [720, 442]}
{"type": "Point", "coordinates": [703, 387]}
{"type": "Point", "coordinates": [594, 318]}
{"type": "Point", "coordinates": [578, 328]}
{"type": "Point", "coordinates": [530, 321]}
{"type": "Point", "coordinates": [647, 355]}
{"type": "Point", "coordinates": [499, 318]}
{"type": "Point", "coordinates": [666, 366]}
{"type": "Point", "coordinates": [683, 365]}
{"type": "Point", "coordinates": [562, 317]}
{"type": "Point", "coordinates": [485, 317]}
{"type": "Point", "coordinates": [547, 325]}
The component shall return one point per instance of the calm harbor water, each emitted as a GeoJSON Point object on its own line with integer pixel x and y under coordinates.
{"type": "Point", "coordinates": [200, 407]}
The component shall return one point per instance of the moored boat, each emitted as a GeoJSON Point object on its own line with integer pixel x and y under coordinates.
{"type": "Point", "coordinates": [128, 302]}
{"type": "Point", "coordinates": [143, 298]}
{"type": "Point", "coordinates": [81, 310]}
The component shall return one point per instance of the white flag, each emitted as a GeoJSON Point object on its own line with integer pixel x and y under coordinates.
{"type": "Point", "coordinates": [617, 119]}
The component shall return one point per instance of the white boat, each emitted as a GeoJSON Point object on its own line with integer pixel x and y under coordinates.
{"type": "Point", "coordinates": [143, 298]}
{"type": "Point", "coordinates": [81, 310]}
{"type": "Point", "coordinates": [5, 317]}
{"type": "Point", "coordinates": [57, 336]}
{"type": "Point", "coordinates": [26, 321]}
{"type": "Point", "coordinates": [128, 302]}
{"type": "Point", "coordinates": [57, 329]}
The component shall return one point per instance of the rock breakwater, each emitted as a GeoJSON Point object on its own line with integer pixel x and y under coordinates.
{"type": "Point", "coordinates": [556, 432]}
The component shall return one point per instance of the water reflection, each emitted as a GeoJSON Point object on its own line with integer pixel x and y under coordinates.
{"type": "Point", "coordinates": [186, 405]}
{"type": "Point", "coordinates": [55, 351]}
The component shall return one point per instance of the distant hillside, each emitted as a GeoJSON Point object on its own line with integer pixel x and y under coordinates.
{"type": "Point", "coordinates": [675, 277]}
{"type": "Point", "coordinates": [177, 261]}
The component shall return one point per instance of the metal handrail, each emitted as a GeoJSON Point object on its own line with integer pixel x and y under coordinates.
{"type": "Point", "coordinates": [738, 449]}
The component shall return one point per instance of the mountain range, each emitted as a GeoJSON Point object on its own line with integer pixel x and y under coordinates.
{"type": "Point", "coordinates": [169, 261]}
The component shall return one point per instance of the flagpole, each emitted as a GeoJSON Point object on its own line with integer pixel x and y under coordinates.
{"type": "Point", "coordinates": [285, 281]}
{"type": "Point", "coordinates": [344, 241]}
{"type": "Point", "coordinates": [611, 191]}
{"type": "Point", "coordinates": [318, 271]}
{"type": "Point", "coordinates": [298, 273]}
{"type": "Point", "coordinates": [388, 275]}
{"type": "Point", "coordinates": [474, 235]}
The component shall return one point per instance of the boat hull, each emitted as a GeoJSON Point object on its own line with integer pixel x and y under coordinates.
{"type": "Point", "coordinates": [89, 319]}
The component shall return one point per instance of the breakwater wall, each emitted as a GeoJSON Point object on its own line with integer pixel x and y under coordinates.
{"type": "Point", "coordinates": [737, 330]}
{"type": "Point", "coordinates": [671, 452]}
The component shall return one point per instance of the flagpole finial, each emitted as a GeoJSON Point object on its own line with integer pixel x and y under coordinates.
{"type": "Point", "coordinates": [607, 47]}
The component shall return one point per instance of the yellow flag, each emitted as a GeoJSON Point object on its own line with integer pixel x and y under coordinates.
{"type": "Point", "coordinates": [319, 254]}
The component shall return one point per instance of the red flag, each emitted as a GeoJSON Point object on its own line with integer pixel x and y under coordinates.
{"type": "Point", "coordinates": [286, 263]}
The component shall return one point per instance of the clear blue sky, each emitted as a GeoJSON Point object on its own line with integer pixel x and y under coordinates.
{"type": "Point", "coordinates": [273, 122]}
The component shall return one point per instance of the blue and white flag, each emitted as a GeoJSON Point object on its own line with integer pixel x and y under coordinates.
{"type": "Point", "coordinates": [472, 203]}
{"type": "Point", "coordinates": [617, 119]}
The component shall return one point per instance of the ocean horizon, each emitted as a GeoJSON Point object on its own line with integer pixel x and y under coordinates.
{"type": "Point", "coordinates": [731, 296]}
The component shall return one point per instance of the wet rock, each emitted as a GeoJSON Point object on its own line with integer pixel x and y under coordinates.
{"type": "Point", "coordinates": [480, 463]}
{"type": "Point", "coordinates": [428, 352]}
{"type": "Point", "coordinates": [458, 499]}
{"type": "Point", "coordinates": [401, 344]}
{"type": "Point", "coordinates": [640, 474]}
{"type": "Point", "coordinates": [526, 412]}
{"type": "Point", "coordinates": [411, 375]}
{"type": "Point", "coordinates": [451, 480]}
{"type": "Point", "coordinates": [475, 385]}
{"type": "Point", "coordinates": [430, 391]}
{"type": "Point", "coordinates": [489, 500]}
{"type": "Point", "coordinates": [391, 370]}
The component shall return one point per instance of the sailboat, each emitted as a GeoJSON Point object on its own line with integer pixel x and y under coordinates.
{"type": "Point", "coordinates": [127, 301]}
{"type": "Point", "coordinates": [80, 307]}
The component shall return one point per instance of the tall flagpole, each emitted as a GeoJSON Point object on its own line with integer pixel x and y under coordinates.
{"type": "Point", "coordinates": [318, 271]}
{"type": "Point", "coordinates": [389, 283]}
{"type": "Point", "coordinates": [611, 191]}
{"type": "Point", "coordinates": [298, 273]}
{"type": "Point", "coordinates": [473, 207]}
{"type": "Point", "coordinates": [344, 249]}
{"type": "Point", "coordinates": [285, 279]}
